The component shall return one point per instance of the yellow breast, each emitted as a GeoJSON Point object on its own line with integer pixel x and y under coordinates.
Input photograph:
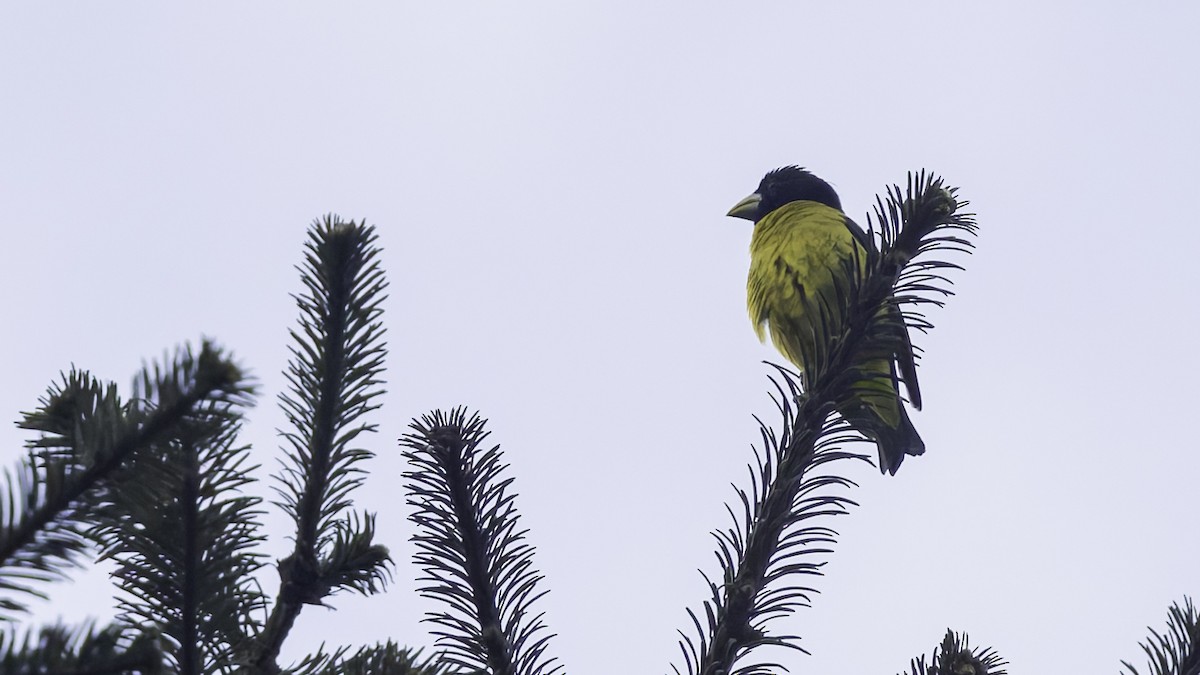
{"type": "Point", "coordinates": [796, 252]}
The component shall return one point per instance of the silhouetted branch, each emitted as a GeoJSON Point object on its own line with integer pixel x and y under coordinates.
{"type": "Point", "coordinates": [956, 657]}
{"type": "Point", "coordinates": [474, 557]}
{"type": "Point", "coordinates": [1177, 651]}
{"type": "Point", "coordinates": [335, 379]}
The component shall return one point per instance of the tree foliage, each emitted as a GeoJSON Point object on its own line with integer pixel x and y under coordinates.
{"type": "Point", "coordinates": [158, 484]}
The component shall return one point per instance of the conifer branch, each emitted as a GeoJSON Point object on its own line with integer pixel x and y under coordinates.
{"type": "Point", "coordinates": [1176, 651]}
{"type": "Point", "coordinates": [388, 657]}
{"type": "Point", "coordinates": [335, 379]}
{"type": "Point", "coordinates": [80, 650]}
{"type": "Point", "coordinates": [474, 557]}
{"type": "Point", "coordinates": [87, 434]}
{"type": "Point", "coordinates": [956, 657]}
{"type": "Point", "coordinates": [181, 533]}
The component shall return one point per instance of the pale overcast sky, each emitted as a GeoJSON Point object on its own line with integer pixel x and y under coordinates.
{"type": "Point", "coordinates": [550, 182]}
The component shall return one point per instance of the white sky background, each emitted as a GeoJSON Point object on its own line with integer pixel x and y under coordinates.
{"type": "Point", "coordinates": [550, 183]}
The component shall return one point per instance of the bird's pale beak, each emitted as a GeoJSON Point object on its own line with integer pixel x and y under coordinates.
{"type": "Point", "coordinates": [747, 208]}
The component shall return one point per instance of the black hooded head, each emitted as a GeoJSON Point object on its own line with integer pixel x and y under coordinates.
{"type": "Point", "coordinates": [794, 184]}
{"type": "Point", "coordinates": [783, 186]}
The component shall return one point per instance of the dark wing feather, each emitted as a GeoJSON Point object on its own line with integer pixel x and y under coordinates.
{"type": "Point", "coordinates": [908, 367]}
{"type": "Point", "coordinates": [904, 356]}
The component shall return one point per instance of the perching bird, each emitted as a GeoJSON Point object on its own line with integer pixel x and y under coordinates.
{"type": "Point", "coordinates": [802, 254]}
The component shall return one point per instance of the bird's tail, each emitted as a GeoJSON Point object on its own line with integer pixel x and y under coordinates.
{"type": "Point", "coordinates": [877, 411]}
{"type": "Point", "coordinates": [895, 442]}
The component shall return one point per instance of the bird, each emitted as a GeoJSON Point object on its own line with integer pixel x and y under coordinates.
{"type": "Point", "coordinates": [803, 254]}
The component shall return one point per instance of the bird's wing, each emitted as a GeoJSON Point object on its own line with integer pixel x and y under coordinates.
{"type": "Point", "coordinates": [905, 357]}
{"type": "Point", "coordinates": [908, 366]}
{"type": "Point", "coordinates": [861, 236]}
